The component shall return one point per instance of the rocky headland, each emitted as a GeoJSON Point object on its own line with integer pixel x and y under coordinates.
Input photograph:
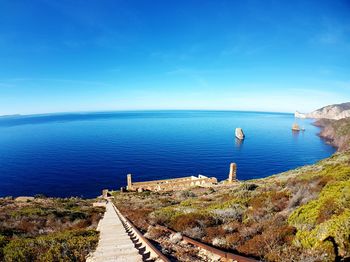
{"type": "Point", "coordinates": [335, 112]}
{"type": "Point", "coordinates": [334, 121]}
{"type": "Point", "coordinates": [336, 132]}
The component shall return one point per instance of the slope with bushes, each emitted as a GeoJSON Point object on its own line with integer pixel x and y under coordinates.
{"type": "Point", "coordinates": [47, 229]}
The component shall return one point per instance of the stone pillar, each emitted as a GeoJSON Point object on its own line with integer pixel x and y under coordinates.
{"type": "Point", "coordinates": [129, 186]}
{"type": "Point", "coordinates": [105, 193]}
{"type": "Point", "coordinates": [232, 175]}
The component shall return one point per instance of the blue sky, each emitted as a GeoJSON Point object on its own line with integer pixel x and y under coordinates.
{"type": "Point", "coordinates": [94, 55]}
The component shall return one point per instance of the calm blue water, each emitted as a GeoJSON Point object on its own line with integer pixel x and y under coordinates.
{"type": "Point", "coordinates": [81, 154]}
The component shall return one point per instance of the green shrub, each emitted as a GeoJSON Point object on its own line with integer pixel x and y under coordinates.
{"type": "Point", "coordinates": [187, 202]}
{"type": "Point", "coordinates": [30, 211]}
{"type": "Point", "coordinates": [325, 222]}
{"type": "Point", "coordinates": [332, 235]}
{"type": "Point", "coordinates": [186, 194]}
{"type": "Point", "coordinates": [3, 242]}
{"type": "Point", "coordinates": [229, 204]}
{"type": "Point", "coordinates": [249, 186]}
{"type": "Point", "coordinates": [306, 216]}
{"type": "Point", "coordinates": [191, 220]}
{"type": "Point", "coordinates": [63, 246]}
{"type": "Point", "coordinates": [164, 215]}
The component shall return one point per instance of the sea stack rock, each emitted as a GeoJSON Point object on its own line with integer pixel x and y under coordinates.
{"type": "Point", "coordinates": [239, 133]}
{"type": "Point", "coordinates": [295, 127]}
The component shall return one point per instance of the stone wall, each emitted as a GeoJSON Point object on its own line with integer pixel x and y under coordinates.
{"type": "Point", "coordinates": [171, 184]}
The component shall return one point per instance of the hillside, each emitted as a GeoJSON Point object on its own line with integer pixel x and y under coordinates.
{"type": "Point", "coordinates": [47, 229]}
{"type": "Point", "coordinates": [299, 215]}
{"type": "Point", "coordinates": [336, 112]}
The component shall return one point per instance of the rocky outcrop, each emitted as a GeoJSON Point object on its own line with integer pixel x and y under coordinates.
{"type": "Point", "coordinates": [24, 199]}
{"type": "Point", "coordinates": [299, 115]}
{"type": "Point", "coordinates": [336, 132]}
{"type": "Point", "coordinates": [336, 112]}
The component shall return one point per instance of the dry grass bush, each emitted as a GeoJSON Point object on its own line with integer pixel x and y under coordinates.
{"type": "Point", "coordinates": [213, 232]}
{"type": "Point", "coordinates": [194, 232]}
{"type": "Point", "coordinates": [300, 197]}
{"type": "Point", "coordinates": [231, 226]}
{"type": "Point", "coordinates": [261, 245]}
{"type": "Point", "coordinates": [184, 194]}
{"type": "Point", "coordinates": [272, 201]}
{"type": "Point", "coordinates": [243, 194]}
{"type": "Point", "coordinates": [234, 213]}
{"type": "Point", "coordinates": [329, 208]}
{"type": "Point", "coordinates": [219, 242]}
{"type": "Point", "coordinates": [175, 238]}
{"type": "Point", "coordinates": [138, 216]}
{"type": "Point", "coordinates": [155, 232]}
{"type": "Point", "coordinates": [249, 231]}
{"type": "Point", "coordinates": [191, 220]}
{"type": "Point", "coordinates": [234, 240]}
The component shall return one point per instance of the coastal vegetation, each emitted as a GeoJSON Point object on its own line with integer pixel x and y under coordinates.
{"type": "Point", "coordinates": [47, 229]}
{"type": "Point", "coordinates": [302, 214]}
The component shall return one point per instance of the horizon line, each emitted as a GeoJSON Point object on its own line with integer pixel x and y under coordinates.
{"type": "Point", "coordinates": [138, 110]}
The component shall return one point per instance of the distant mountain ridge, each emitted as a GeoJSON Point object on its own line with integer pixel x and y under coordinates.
{"type": "Point", "coordinates": [336, 112]}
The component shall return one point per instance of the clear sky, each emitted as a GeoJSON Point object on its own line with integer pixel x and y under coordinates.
{"type": "Point", "coordinates": [95, 55]}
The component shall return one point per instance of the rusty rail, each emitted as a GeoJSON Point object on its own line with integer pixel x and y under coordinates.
{"type": "Point", "coordinates": [154, 252]}
{"type": "Point", "coordinates": [223, 254]}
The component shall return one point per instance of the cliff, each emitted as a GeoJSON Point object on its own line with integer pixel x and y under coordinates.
{"type": "Point", "coordinates": [336, 132]}
{"type": "Point", "coordinates": [336, 112]}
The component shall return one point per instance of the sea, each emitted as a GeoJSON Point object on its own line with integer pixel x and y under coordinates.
{"type": "Point", "coordinates": [80, 154]}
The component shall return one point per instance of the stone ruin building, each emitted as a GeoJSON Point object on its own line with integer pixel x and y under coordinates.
{"type": "Point", "coordinates": [179, 183]}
